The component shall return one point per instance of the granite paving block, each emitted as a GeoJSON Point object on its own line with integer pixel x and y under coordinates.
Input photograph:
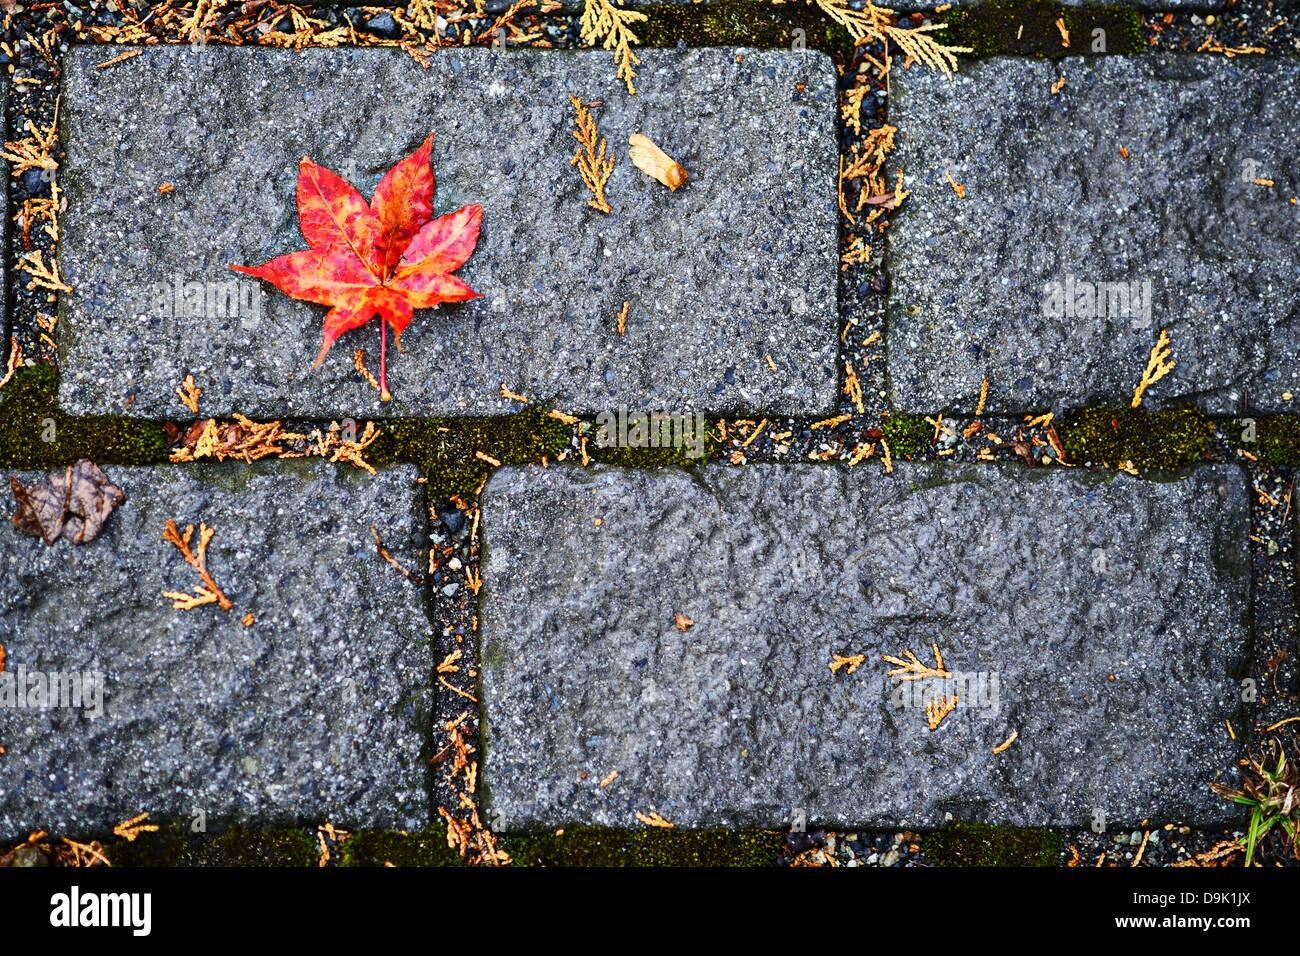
{"type": "Point", "coordinates": [739, 264]}
{"type": "Point", "coordinates": [1103, 618]}
{"type": "Point", "coordinates": [316, 709]}
{"type": "Point", "coordinates": [1155, 191]}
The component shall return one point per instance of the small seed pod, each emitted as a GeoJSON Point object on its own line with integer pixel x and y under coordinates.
{"type": "Point", "coordinates": [652, 160]}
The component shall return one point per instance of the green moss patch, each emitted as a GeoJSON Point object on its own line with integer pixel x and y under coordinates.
{"type": "Point", "coordinates": [381, 848]}
{"type": "Point", "coordinates": [979, 844]}
{"type": "Point", "coordinates": [753, 23]}
{"type": "Point", "coordinates": [679, 456]}
{"type": "Point", "coordinates": [1273, 439]}
{"type": "Point", "coordinates": [644, 457]}
{"type": "Point", "coordinates": [446, 449]}
{"type": "Point", "coordinates": [176, 845]}
{"type": "Point", "coordinates": [35, 433]}
{"type": "Point", "coordinates": [1028, 28]}
{"type": "Point", "coordinates": [1111, 435]}
{"type": "Point", "coordinates": [651, 847]}
{"type": "Point", "coordinates": [907, 434]}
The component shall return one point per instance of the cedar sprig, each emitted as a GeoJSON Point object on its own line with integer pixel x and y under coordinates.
{"type": "Point", "coordinates": [913, 669]}
{"type": "Point", "coordinates": [871, 24]}
{"type": "Point", "coordinates": [592, 159]}
{"type": "Point", "coordinates": [207, 592]}
{"type": "Point", "coordinates": [604, 22]}
{"type": "Point", "coordinates": [1158, 366]}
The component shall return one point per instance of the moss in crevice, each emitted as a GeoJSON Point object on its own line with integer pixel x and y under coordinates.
{"type": "Point", "coordinates": [753, 23]}
{"type": "Point", "coordinates": [1276, 438]}
{"type": "Point", "coordinates": [381, 848]}
{"type": "Point", "coordinates": [678, 456]}
{"type": "Point", "coordinates": [907, 434]}
{"type": "Point", "coordinates": [1110, 435]}
{"type": "Point", "coordinates": [175, 845]}
{"type": "Point", "coordinates": [36, 433]}
{"type": "Point", "coordinates": [980, 844]}
{"type": "Point", "coordinates": [584, 846]}
{"type": "Point", "coordinates": [1028, 28]}
{"type": "Point", "coordinates": [445, 448]}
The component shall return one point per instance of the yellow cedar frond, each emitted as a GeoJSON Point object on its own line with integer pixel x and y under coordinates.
{"type": "Point", "coordinates": [604, 22]}
{"type": "Point", "coordinates": [591, 159]}
{"type": "Point", "coordinates": [1158, 366]}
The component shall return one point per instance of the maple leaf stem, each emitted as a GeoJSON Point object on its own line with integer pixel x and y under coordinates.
{"type": "Point", "coordinates": [384, 394]}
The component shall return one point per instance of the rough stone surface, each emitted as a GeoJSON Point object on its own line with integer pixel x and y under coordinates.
{"type": "Point", "coordinates": [1048, 195]}
{"type": "Point", "coordinates": [200, 712]}
{"type": "Point", "coordinates": [739, 264]}
{"type": "Point", "coordinates": [1054, 580]}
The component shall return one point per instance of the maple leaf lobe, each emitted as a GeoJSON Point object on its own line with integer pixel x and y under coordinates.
{"type": "Point", "coordinates": [332, 214]}
{"type": "Point", "coordinates": [402, 203]}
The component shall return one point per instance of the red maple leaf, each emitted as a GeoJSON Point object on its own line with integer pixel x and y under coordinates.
{"type": "Point", "coordinates": [384, 258]}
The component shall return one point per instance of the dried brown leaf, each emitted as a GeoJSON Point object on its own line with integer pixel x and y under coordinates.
{"type": "Point", "coordinates": [72, 504]}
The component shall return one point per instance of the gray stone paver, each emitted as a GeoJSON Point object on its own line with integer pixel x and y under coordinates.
{"type": "Point", "coordinates": [1050, 198]}
{"type": "Point", "coordinates": [1055, 581]}
{"type": "Point", "coordinates": [317, 710]}
{"type": "Point", "coordinates": [738, 265]}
